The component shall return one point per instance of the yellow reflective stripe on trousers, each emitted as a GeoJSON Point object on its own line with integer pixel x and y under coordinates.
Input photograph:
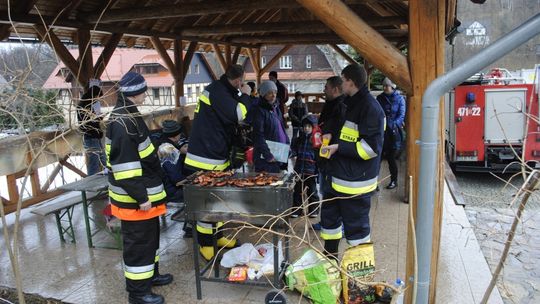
{"type": "Point", "coordinates": [145, 148]}
{"type": "Point", "coordinates": [206, 228]}
{"type": "Point", "coordinates": [127, 170]}
{"type": "Point", "coordinates": [349, 187]}
{"type": "Point", "coordinates": [156, 259]}
{"type": "Point", "coordinates": [349, 132]}
{"type": "Point", "coordinates": [241, 111]}
{"type": "Point", "coordinates": [139, 272]}
{"type": "Point", "coordinates": [364, 150]}
{"type": "Point", "coordinates": [332, 234]}
{"type": "Point", "coordinates": [206, 163]}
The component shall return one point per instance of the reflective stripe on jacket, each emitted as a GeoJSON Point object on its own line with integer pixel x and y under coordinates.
{"type": "Point", "coordinates": [135, 171]}
{"type": "Point", "coordinates": [219, 110]}
{"type": "Point", "coordinates": [354, 167]}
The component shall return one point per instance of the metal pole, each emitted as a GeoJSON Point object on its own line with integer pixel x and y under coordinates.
{"type": "Point", "coordinates": [429, 139]}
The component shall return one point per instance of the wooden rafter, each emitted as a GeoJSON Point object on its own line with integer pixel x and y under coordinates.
{"type": "Point", "coordinates": [189, 55]}
{"type": "Point", "coordinates": [342, 53]}
{"type": "Point", "coordinates": [272, 61]}
{"type": "Point", "coordinates": [86, 68]}
{"type": "Point", "coordinates": [21, 7]}
{"type": "Point", "coordinates": [305, 39]}
{"type": "Point", "coordinates": [61, 51]}
{"type": "Point", "coordinates": [219, 56]}
{"type": "Point", "coordinates": [254, 61]}
{"type": "Point", "coordinates": [164, 55]}
{"type": "Point", "coordinates": [193, 9]}
{"type": "Point", "coordinates": [31, 19]}
{"type": "Point", "coordinates": [236, 54]}
{"type": "Point", "coordinates": [179, 71]}
{"type": "Point", "coordinates": [371, 44]}
{"type": "Point", "coordinates": [305, 26]}
{"type": "Point", "coordinates": [228, 54]}
{"type": "Point", "coordinates": [106, 54]}
{"type": "Point", "coordinates": [68, 7]}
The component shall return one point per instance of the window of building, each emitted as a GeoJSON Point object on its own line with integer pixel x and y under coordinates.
{"type": "Point", "coordinates": [197, 70]}
{"type": "Point", "coordinates": [285, 62]}
{"type": "Point", "coordinates": [197, 91]}
{"type": "Point", "coordinates": [189, 70]}
{"type": "Point", "coordinates": [263, 61]}
{"type": "Point", "coordinates": [155, 93]}
{"type": "Point", "coordinates": [291, 87]}
{"type": "Point", "coordinates": [308, 61]}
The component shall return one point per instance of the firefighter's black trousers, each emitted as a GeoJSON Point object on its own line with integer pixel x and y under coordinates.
{"type": "Point", "coordinates": [141, 242]}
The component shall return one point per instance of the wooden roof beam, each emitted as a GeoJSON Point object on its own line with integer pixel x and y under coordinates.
{"type": "Point", "coordinates": [106, 54]}
{"type": "Point", "coordinates": [302, 39]}
{"type": "Point", "coordinates": [236, 54]}
{"type": "Point", "coordinates": [192, 48]}
{"type": "Point", "coordinates": [342, 53]}
{"type": "Point", "coordinates": [86, 65]}
{"type": "Point", "coordinates": [32, 19]}
{"type": "Point", "coordinates": [272, 61]}
{"type": "Point", "coordinates": [237, 29]}
{"type": "Point", "coordinates": [164, 55]}
{"type": "Point", "coordinates": [371, 44]}
{"type": "Point", "coordinates": [47, 35]}
{"type": "Point", "coordinates": [20, 7]}
{"type": "Point", "coordinates": [254, 60]}
{"type": "Point", "coordinates": [219, 56]}
{"type": "Point", "coordinates": [183, 10]}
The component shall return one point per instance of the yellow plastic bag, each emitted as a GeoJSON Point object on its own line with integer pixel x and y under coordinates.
{"type": "Point", "coordinates": [358, 263]}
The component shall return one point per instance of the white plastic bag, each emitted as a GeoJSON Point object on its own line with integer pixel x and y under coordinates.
{"type": "Point", "coordinates": [265, 264]}
{"type": "Point", "coordinates": [260, 257]}
{"type": "Point", "coordinates": [239, 256]}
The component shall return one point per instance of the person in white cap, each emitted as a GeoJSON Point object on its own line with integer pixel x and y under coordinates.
{"type": "Point", "coordinates": [393, 105]}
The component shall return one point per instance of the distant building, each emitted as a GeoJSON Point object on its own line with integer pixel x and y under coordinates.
{"type": "Point", "coordinates": [302, 68]}
{"type": "Point", "coordinates": [147, 62]}
{"type": "Point", "coordinates": [482, 25]}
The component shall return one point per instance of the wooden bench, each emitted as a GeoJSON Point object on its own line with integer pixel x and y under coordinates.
{"type": "Point", "coordinates": [62, 207]}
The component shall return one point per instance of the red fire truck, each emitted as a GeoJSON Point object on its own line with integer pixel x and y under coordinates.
{"type": "Point", "coordinates": [493, 123]}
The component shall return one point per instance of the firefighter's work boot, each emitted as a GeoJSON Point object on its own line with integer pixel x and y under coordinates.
{"type": "Point", "coordinates": [207, 252]}
{"type": "Point", "coordinates": [150, 298]}
{"type": "Point", "coordinates": [162, 279]}
{"type": "Point", "coordinates": [227, 243]}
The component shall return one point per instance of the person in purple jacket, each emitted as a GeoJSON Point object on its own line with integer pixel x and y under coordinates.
{"type": "Point", "coordinates": [268, 125]}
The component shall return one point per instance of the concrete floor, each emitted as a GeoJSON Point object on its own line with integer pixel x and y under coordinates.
{"type": "Point", "coordinates": [75, 273]}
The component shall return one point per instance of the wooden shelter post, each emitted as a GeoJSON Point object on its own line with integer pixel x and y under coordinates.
{"type": "Point", "coordinates": [258, 59]}
{"type": "Point", "coordinates": [426, 58]}
{"type": "Point", "coordinates": [179, 72]}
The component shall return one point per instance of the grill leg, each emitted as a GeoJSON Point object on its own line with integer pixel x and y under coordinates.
{"type": "Point", "coordinates": [276, 261]}
{"type": "Point", "coordinates": [196, 263]}
{"type": "Point", "coordinates": [215, 258]}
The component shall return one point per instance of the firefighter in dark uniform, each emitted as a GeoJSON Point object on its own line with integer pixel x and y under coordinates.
{"type": "Point", "coordinates": [221, 107]}
{"type": "Point", "coordinates": [354, 165]}
{"type": "Point", "coordinates": [136, 191]}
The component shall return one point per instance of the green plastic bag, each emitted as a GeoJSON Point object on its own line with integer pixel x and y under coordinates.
{"type": "Point", "coordinates": [315, 277]}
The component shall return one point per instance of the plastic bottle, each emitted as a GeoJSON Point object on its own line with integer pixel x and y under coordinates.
{"type": "Point", "coordinates": [400, 285]}
{"type": "Point", "coordinates": [316, 137]}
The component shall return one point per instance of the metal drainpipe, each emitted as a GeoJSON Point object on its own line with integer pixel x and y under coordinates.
{"type": "Point", "coordinates": [429, 139]}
